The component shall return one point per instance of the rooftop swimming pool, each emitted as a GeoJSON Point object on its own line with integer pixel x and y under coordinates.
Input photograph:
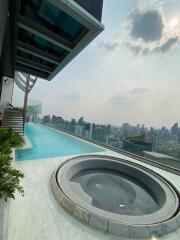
{"type": "Point", "coordinates": [48, 143]}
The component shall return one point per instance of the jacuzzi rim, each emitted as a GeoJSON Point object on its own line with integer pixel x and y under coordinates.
{"type": "Point", "coordinates": [129, 163]}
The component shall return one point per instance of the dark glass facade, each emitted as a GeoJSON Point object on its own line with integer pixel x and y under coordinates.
{"type": "Point", "coordinates": [94, 7]}
{"type": "Point", "coordinates": [35, 59]}
{"type": "Point", "coordinates": [40, 43]}
{"type": "Point", "coordinates": [41, 34]}
{"type": "Point", "coordinates": [1, 80]}
{"type": "Point", "coordinates": [24, 68]}
{"type": "Point", "coordinates": [49, 16]}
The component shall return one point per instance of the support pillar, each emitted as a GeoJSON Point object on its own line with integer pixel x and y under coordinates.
{"type": "Point", "coordinates": [26, 98]}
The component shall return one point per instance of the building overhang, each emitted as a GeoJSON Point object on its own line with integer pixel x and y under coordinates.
{"type": "Point", "coordinates": [46, 43]}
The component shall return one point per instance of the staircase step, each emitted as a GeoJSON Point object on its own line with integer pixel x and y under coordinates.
{"type": "Point", "coordinates": [13, 119]}
{"type": "Point", "coordinates": [10, 116]}
{"type": "Point", "coordinates": [13, 113]}
{"type": "Point", "coordinates": [15, 129]}
{"type": "Point", "coordinates": [12, 123]}
{"type": "Point", "coordinates": [9, 126]}
{"type": "Point", "coordinates": [12, 126]}
{"type": "Point", "coordinates": [13, 110]}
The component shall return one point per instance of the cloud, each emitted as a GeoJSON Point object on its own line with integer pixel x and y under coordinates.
{"type": "Point", "coordinates": [109, 45]}
{"type": "Point", "coordinates": [134, 48]}
{"type": "Point", "coordinates": [72, 97]}
{"type": "Point", "coordinates": [128, 97]}
{"type": "Point", "coordinates": [147, 25]}
{"type": "Point", "coordinates": [139, 91]}
{"type": "Point", "coordinates": [145, 51]}
{"type": "Point", "coordinates": [167, 45]}
{"type": "Point", "coordinates": [148, 32]}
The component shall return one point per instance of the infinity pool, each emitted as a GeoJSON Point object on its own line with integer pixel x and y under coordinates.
{"type": "Point", "coordinates": [49, 143]}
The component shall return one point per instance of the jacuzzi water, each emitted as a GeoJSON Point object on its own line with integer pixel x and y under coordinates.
{"type": "Point", "coordinates": [48, 143]}
{"type": "Point", "coordinates": [117, 193]}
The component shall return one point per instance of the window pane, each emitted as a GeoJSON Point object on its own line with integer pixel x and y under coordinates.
{"type": "Point", "coordinates": [35, 59]}
{"type": "Point", "coordinates": [37, 72]}
{"type": "Point", "coordinates": [38, 42]}
{"type": "Point", "coordinates": [52, 18]}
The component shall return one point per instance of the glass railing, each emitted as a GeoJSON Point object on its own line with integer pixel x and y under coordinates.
{"type": "Point", "coordinates": [159, 146]}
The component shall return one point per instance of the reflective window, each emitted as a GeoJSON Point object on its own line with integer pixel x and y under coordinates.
{"type": "Point", "coordinates": [42, 44]}
{"type": "Point", "coordinates": [35, 59]}
{"type": "Point", "coordinates": [52, 18]}
{"type": "Point", "coordinates": [26, 68]}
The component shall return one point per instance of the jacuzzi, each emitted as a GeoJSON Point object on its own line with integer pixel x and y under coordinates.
{"type": "Point", "coordinates": [117, 196]}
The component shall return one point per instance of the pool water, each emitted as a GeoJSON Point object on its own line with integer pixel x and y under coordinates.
{"type": "Point", "coordinates": [116, 192]}
{"type": "Point", "coordinates": [48, 143]}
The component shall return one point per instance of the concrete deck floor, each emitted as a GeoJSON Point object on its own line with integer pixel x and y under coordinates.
{"type": "Point", "coordinates": [38, 216]}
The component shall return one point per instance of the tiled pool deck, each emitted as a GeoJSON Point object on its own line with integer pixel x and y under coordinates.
{"type": "Point", "coordinates": [38, 216]}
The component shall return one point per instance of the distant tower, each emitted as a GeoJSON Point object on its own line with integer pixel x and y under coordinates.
{"type": "Point", "coordinates": [81, 121]}
{"type": "Point", "coordinates": [174, 129]}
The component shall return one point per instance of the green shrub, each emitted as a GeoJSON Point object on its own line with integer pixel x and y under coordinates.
{"type": "Point", "coordinates": [9, 177]}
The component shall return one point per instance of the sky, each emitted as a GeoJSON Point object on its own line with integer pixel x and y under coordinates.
{"type": "Point", "coordinates": [129, 73]}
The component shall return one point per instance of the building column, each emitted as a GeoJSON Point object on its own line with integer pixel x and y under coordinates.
{"type": "Point", "coordinates": [26, 97]}
{"type": "Point", "coordinates": [6, 91]}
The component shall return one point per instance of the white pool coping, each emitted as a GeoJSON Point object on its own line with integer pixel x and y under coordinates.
{"type": "Point", "coordinates": [38, 216]}
{"type": "Point", "coordinates": [27, 143]}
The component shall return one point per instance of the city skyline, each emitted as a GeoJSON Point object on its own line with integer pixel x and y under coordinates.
{"type": "Point", "coordinates": [81, 118]}
{"type": "Point", "coordinates": [136, 139]}
{"type": "Point", "coordinates": [125, 75]}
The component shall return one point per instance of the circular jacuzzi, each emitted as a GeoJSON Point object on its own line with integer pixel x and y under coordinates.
{"type": "Point", "coordinates": [117, 196]}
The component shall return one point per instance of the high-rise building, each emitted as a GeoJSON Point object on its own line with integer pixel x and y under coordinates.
{"type": "Point", "coordinates": [46, 119]}
{"type": "Point", "coordinates": [79, 130]}
{"type": "Point", "coordinates": [73, 121]}
{"type": "Point", "coordinates": [53, 119]}
{"type": "Point", "coordinates": [99, 134]}
{"type": "Point", "coordinates": [174, 129]}
{"type": "Point", "coordinates": [81, 121]}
